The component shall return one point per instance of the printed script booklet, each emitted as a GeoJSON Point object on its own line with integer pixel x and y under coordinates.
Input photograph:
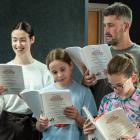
{"type": "Point", "coordinates": [11, 77]}
{"type": "Point", "coordinates": [94, 57]}
{"type": "Point", "coordinates": [50, 104]}
{"type": "Point", "coordinates": [112, 125]}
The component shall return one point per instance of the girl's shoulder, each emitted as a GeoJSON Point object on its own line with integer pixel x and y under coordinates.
{"type": "Point", "coordinates": [138, 91]}
{"type": "Point", "coordinates": [136, 95]}
{"type": "Point", "coordinates": [110, 96]}
{"type": "Point", "coordinates": [79, 86]}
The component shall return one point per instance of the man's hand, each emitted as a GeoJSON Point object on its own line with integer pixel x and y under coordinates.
{"type": "Point", "coordinates": [89, 79]}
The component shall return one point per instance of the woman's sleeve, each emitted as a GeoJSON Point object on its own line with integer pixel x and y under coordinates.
{"type": "Point", "coordinates": [1, 103]}
{"type": "Point", "coordinates": [47, 77]}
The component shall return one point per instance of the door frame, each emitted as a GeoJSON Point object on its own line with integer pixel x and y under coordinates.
{"type": "Point", "coordinates": [99, 7]}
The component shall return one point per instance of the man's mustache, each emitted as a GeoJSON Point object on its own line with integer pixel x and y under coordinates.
{"type": "Point", "coordinates": [108, 35]}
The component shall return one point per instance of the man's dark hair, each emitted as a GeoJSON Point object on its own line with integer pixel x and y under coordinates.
{"type": "Point", "coordinates": [120, 10]}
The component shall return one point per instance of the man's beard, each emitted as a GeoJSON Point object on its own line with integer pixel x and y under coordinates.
{"type": "Point", "coordinates": [116, 40]}
{"type": "Point", "coordinates": [113, 42]}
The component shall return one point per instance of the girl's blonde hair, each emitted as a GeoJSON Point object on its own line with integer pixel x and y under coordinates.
{"type": "Point", "coordinates": [58, 54]}
{"type": "Point", "coordinates": [122, 64]}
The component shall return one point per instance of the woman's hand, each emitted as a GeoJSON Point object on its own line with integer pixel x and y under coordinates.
{"type": "Point", "coordinates": [2, 90]}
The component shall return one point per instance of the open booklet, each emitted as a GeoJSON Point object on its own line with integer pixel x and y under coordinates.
{"type": "Point", "coordinates": [50, 104]}
{"type": "Point", "coordinates": [94, 57]}
{"type": "Point", "coordinates": [112, 125]}
{"type": "Point", "coordinates": [11, 77]}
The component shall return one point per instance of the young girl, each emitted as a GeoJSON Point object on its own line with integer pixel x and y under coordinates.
{"type": "Point", "coordinates": [16, 117]}
{"type": "Point", "coordinates": [60, 65]}
{"type": "Point", "coordinates": [122, 77]}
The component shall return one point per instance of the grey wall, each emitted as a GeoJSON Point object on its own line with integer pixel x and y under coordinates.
{"type": "Point", "coordinates": [57, 23]}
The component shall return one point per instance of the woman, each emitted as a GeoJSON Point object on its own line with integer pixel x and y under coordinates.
{"type": "Point", "coordinates": [16, 122]}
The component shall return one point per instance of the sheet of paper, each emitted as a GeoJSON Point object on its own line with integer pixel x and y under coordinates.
{"type": "Point", "coordinates": [33, 99]}
{"type": "Point", "coordinates": [97, 58]}
{"type": "Point", "coordinates": [96, 135]}
{"type": "Point", "coordinates": [54, 103]}
{"type": "Point", "coordinates": [11, 76]}
{"type": "Point", "coordinates": [115, 124]}
{"type": "Point", "coordinates": [75, 55]}
{"type": "Point", "coordinates": [94, 57]}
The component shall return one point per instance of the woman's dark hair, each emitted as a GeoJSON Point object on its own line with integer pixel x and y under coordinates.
{"type": "Point", "coordinates": [58, 54]}
{"type": "Point", "coordinates": [25, 26]}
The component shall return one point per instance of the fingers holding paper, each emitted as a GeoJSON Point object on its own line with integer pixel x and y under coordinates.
{"type": "Point", "coordinates": [88, 127]}
{"type": "Point", "coordinates": [42, 123]}
{"type": "Point", "coordinates": [2, 90]}
{"type": "Point", "coordinates": [71, 112]}
{"type": "Point", "coordinates": [89, 79]}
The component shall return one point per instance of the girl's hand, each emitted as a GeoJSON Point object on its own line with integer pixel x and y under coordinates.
{"type": "Point", "coordinates": [71, 112]}
{"type": "Point", "coordinates": [88, 127]}
{"type": "Point", "coordinates": [42, 123]}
